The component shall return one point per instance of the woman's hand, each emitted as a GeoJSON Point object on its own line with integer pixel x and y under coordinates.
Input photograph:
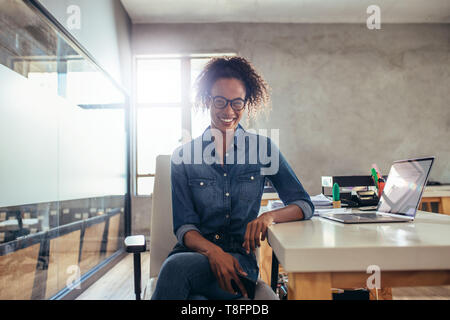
{"type": "Point", "coordinates": [226, 268]}
{"type": "Point", "coordinates": [256, 230]}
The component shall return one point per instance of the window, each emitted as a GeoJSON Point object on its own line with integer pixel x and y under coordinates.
{"type": "Point", "coordinates": [165, 118]}
{"type": "Point", "coordinates": [64, 195]}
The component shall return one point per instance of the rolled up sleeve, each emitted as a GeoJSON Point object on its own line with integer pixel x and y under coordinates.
{"type": "Point", "coordinates": [306, 208]}
{"type": "Point", "coordinates": [181, 231]}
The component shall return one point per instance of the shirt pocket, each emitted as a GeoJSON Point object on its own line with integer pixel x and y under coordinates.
{"type": "Point", "coordinates": [203, 190]}
{"type": "Point", "coordinates": [250, 185]}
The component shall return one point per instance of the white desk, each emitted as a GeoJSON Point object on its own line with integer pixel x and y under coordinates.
{"type": "Point", "coordinates": [321, 254]}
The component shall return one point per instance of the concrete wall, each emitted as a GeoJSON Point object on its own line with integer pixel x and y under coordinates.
{"type": "Point", "coordinates": [344, 97]}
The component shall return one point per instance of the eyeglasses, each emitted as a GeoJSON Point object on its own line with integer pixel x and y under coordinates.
{"type": "Point", "coordinates": [220, 103]}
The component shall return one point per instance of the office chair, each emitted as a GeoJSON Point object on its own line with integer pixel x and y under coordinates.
{"type": "Point", "coordinates": [162, 239]}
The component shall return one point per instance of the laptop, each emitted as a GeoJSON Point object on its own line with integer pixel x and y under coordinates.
{"type": "Point", "coordinates": [401, 194]}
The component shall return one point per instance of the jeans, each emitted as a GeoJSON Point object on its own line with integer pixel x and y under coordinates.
{"type": "Point", "coordinates": [188, 276]}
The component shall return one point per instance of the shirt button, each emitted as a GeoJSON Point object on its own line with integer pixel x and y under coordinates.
{"type": "Point", "coordinates": [227, 216]}
{"type": "Point", "coordinates": [226, 154]}
{"type": "Point", "coordinates": [227, 194]}
{"type": "Point", "coordinates": [217, 237]}
{"type": "Point", "coordinates": [224, 174]}
{"type": "Point", "coordinates": [252, 178]}
{"type": "Point", "coordinates": [201, 183]}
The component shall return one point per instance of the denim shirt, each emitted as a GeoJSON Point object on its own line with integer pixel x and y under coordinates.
{"type": "Point", "coordinates": [220, 200]}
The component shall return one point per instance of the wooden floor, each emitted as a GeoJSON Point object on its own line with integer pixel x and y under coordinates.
{"type": "Point", "coordinates": [118, 284]}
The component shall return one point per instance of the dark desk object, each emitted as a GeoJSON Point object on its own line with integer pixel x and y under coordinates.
{"type": "Point", "coordinates": [136, 245]}
{"type": "Point", "coordinates": [346, 182]}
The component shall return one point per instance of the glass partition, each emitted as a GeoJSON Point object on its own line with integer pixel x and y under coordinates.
{"type": "Point", "coordinates": [63, 165]}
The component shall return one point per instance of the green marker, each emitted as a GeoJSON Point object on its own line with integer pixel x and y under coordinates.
{"type": "Point", "coordinates": [336, 192]}
{"type": "Point", "coordinates": [375, 176]}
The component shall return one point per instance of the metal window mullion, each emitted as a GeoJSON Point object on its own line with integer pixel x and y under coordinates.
{"type": "Point", "coordinates": [133, 131]}
{"type": "Point", "coordinates": [185, 99]}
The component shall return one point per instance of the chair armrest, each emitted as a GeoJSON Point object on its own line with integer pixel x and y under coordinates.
{"type": "Point", "coordinates": [135, 244]}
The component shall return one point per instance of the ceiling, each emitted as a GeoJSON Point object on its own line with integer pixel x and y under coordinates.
{"type": "Point", "coordinates": [286, 11]}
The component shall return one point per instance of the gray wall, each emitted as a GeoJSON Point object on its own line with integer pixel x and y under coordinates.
{"type": "Point", "coordinates": [140, 219]}
{"type": "Point", "coordinates": [105, 32]}
{"type": "Point", "coordinates": [344, 97]}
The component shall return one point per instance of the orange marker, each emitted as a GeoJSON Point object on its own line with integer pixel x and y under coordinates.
{"type": "Point", "coordinates": [380, 179]}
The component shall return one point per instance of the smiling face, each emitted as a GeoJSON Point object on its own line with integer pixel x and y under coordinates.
{"type": "Point", "coordinates": [226, 118]}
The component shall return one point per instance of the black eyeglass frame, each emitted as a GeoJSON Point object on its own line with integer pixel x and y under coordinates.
{"type": "Point", "coordinates": [228, 102]}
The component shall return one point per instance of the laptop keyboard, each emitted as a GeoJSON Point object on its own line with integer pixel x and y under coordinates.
{"type": "Point", "coordinates": [366, 215]}
{"type": "Point", "coordinates": [374, 216]}
{"type": "Point", "coordinates": [361, 217]}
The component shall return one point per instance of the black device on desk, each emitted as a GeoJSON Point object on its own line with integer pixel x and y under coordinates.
{"type": "Point", "coordinates": [367, 198]}
{"type": "Point", "coordinates": [362, 198]}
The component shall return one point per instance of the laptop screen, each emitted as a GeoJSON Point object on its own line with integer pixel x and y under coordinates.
{"type": "Point", "coordinates": [404, 186]}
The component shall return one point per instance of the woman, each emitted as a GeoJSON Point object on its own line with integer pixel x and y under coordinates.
{"type": "Point", "coordinates": [217, 187]}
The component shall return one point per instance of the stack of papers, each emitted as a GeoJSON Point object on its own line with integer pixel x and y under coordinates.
{"type": "Point", "coordinates": [275, 204]}
{"type": "Point", "coordinates": [317, 212]}
{"type": "Point", "coordinates": [321, 201]}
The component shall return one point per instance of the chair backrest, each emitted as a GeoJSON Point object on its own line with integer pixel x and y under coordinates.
{"type": "Point", "coordinates": [162, 238]}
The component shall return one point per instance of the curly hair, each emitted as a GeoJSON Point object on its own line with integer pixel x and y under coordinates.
{"type": "Point", "coordinates": [257, 90]}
